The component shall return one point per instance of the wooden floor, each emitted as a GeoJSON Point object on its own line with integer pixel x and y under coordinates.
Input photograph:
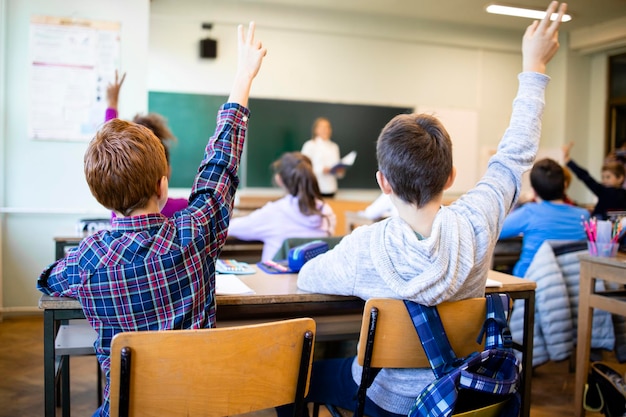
{"type": "Point", "coordinates": [21, 377]}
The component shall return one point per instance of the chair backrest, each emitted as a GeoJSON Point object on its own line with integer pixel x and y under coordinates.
{"type": "Point", "coordinates": [211, 372]}
{"type": "Point", "coordinates": [396, 343]}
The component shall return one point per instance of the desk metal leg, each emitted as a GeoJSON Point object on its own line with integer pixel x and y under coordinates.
{"type": "Point", "coordinates": [65, 385]}
{"type": "Point", "coordinates": [527, 352]}
{"type": "Point", "coordinates": [48, 362]}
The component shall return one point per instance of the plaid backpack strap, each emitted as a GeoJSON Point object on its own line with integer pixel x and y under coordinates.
{"type": "Point", "coordinates": [433, 338]}
{"type": "Point", "coordinates": [496, 327]}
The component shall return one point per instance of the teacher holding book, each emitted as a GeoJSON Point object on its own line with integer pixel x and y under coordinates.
{"type": "Point", "coordinates": [324, 155]}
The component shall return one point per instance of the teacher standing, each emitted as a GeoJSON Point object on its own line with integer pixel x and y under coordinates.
{"type": "Point", "coordinates": [324, 154]}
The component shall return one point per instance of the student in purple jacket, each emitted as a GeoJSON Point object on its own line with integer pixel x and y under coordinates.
{"type": "Point", "coordinates": [300, 213]}
{"type": "Point", "coordinates": [158, 125]}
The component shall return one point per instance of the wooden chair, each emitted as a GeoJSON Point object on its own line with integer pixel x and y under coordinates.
{"type": "Point", "coordinates": [211, 372]}
{"type": "Point", "coordinates": [388, 340]}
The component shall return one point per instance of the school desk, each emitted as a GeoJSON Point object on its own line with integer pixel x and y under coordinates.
{"type": "Point", "coordinates": [611, 270]}
{"type": "Point", "coordinates": [277, 297]}
{"type": "Point", "coordinates": [242, 250]}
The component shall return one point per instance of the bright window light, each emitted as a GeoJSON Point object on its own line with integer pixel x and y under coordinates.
{"type": "Point", "coordinates": [519, 12]}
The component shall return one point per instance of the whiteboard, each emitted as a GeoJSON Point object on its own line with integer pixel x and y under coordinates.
{"type": "Point", "coordinates": [462, 126]}
{"type": "Point", "coordinates": [71, 63]}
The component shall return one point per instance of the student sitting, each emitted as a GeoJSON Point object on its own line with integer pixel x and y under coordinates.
{"type": "Point", "coordinates": [157, 124]}
{"type": "Point", "coordinates": [380, 208]}
{"type": "Point", "coordinates": [547, 217]}
{"type": "Point", "coordinates": [429, 253]}
{"type": "Point", "coordinates": [611, 195]}
{"type": "Point", "coordinates": [300, 213]}
{"type": "Point", "coordinates": [152, 272]}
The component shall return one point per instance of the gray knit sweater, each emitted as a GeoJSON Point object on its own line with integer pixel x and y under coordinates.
{"type": "Point", "coordinates": [386, 259]}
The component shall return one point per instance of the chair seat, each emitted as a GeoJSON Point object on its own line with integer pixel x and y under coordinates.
{"type": "Point", "coordinates": [493, 410]}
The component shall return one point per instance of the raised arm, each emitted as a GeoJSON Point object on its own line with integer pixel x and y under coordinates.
{"type": "Point", "coordinates": [501, 184]}
{"type": "Point", "coordinates": [113, 94]}
{"type": "Point", "coordinates": [213, 191]}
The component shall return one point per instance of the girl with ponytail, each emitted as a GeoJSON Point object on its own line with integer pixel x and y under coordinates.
{"type": "Point", "coordinates": [300, 213]}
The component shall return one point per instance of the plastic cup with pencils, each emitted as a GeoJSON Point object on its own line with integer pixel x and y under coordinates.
{"type": "Point", "coordinates": [603, 236]}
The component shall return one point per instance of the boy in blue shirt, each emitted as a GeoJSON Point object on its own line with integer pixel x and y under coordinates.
{"type": "Point", "coordinates": [151, 272]}
{"type": "Point", "coordinates": [548, 217]}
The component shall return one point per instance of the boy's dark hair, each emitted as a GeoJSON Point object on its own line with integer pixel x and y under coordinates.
{"type": "Point", "coordinates": [414, 153]}
{"type": "Point", "coordinates": [158, 125]}
{"type": "Point", "coordinates": [296, 172]}
{"type": "Point", "coordinates": [616, 168]}
{"type": "Point", "coordinates": [124, 164]}
{"type": "Point", "coordinates": [547, 179]}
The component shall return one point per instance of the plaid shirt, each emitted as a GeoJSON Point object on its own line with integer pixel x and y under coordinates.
{"type": "Point", "coordinates": [154, 273]}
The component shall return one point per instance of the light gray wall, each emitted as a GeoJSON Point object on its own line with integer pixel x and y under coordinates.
{"type": "Point", "coordinates": [312, 55]}
{"type": "Point", "coordinates": [43, 188]}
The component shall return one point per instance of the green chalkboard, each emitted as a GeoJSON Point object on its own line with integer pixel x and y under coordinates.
{"type": "Point", "coordinates": [275, 126]}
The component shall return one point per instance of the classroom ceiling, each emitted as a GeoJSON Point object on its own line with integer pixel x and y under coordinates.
{"type": "Point", "coordinates": [468, 12]}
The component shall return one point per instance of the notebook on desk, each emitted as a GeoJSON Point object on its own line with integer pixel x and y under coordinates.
{"type": "Point", "coordinates": [492, 283]}
{"type": "Point", "coordinates": [230, 284]}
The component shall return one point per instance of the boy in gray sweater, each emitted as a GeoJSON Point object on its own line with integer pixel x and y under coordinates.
{"type": "Point", "coordinates": [429, 253]}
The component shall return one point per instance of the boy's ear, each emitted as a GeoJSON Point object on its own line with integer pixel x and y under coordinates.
{"type": "Point", "coordinates": [451, 178]}
{"type": "Point", "coordinates": [162, 192]}
{"type": "Point", "coordinates": [384, 185]}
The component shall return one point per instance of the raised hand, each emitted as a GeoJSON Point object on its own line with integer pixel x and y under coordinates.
{"type": "Point", "coordinates": [250, 56]}
{"type": "Point", "coordinates": [113, 90]}
{"type": "Point", "coordinates": [566, 150]}
{"type": "Point", "coordinates": [541, 39]}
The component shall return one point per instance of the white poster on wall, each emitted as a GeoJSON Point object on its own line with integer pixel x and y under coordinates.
{"type": "Point", "coordinates": [71, 63]}
{"type": "Point", "coordinates": [462, 126]}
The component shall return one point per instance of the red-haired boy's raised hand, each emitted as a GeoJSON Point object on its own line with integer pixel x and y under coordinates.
{"type": "Point", "coordinates": [250, 57]}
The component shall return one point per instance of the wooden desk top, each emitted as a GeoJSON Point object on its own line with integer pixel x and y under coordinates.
{"type": "Point", "coordinates": [619, 260]}
{"type": "Point", "coordinates": [282, 288]}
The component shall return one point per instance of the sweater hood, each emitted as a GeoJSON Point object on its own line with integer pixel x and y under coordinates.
{"type": "Point", "coordinates": [412, 267]}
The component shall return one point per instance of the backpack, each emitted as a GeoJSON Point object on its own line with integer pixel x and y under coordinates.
{"type": "Point", "coordinates": [482, 378]}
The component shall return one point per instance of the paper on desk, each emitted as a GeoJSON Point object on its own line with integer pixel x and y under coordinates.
{"type": "Point", "coordinates": [229, 284]}
{"type": "Point", "coordinates": [493, 283]}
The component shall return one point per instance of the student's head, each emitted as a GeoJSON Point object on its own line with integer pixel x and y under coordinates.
{"type": "Point", "coordinates": [124, 166]}
{"type": "Point", "coordinates": [158, 125]}
{"type": "Point", "coordinates": [294, 172]}
{"type": "Point", "coordinates": [547, 179]}
{"type": "Point", "coordinates": [322, 128]}
{"type": "Point", "coordinates": [613, 174]}
{"type": "Point", "coordinates": [414, 153]}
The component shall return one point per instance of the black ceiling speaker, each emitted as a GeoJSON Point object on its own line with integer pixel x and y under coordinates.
{"type": "Point", "coordinates": [208, 48]}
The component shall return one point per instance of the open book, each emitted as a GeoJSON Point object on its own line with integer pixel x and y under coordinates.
{"type": "Point", "coordinates": [345, 162]}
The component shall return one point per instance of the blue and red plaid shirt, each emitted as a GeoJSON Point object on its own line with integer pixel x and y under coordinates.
{"type": "Point", "coordinates": [151, 272]}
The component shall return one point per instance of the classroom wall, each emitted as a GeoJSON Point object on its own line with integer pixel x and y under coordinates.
{"type": "Point", "coordinates": [313, 55]}
{"type": "Point", "coordinates": [347, 58]}
{"type": "Point", "coordinates": [43, 188]}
